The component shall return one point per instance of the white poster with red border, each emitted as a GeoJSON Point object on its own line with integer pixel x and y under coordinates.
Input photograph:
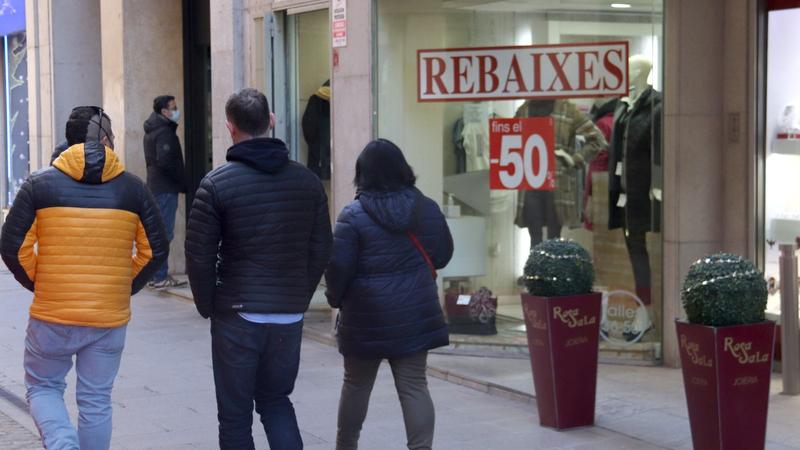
{"type": "Point", "coordinates": [584, 70]}
{"type": "Point", "coordinates": [339, 23]}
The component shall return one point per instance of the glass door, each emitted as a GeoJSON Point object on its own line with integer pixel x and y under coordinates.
{"type": "Point", "coordinates": [782, 142]}
{"type": "Point", "coordinates": [309, 46]}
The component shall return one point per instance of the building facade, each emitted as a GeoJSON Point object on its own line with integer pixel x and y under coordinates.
{"type": "Point", "coordinates": [704, 119]}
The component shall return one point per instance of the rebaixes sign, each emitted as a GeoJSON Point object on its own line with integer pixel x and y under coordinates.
{"type": "Point", "coordinates": [535, 71]}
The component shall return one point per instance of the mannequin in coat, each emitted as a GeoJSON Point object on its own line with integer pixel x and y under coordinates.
{"type": "Point", "coordinates": [634, 166]}
{"type": "Point", "coordinates": [559, 208]}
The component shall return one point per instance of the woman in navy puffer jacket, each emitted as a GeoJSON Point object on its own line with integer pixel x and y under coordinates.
{"type": "Point", "coordinates": [384, 284]}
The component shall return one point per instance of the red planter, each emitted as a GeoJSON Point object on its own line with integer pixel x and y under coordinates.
{"type": "Point", "coordinates": [726, 375]}
{"type": "Point", "coordinates": [563, 334]}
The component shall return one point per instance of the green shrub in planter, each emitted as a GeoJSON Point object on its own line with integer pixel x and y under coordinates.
{"type": "Point", "coordinates": [559, 267]}
{"type": "Point", "coordinates": [724, 289]}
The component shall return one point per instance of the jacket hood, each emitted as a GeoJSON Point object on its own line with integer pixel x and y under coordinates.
{"type": "Point", "coordinates": [58, 151]}
{"type": "Point", "coordinates": [265, 154]}
{"type": "Point", "coordinates": [156, 121]}
{"type": "Point", "coordinates": [91, 163]}
{"type": "Point", "coordinates": [324, 93]}
{"type": "Point", "coordinates": [395, 211]}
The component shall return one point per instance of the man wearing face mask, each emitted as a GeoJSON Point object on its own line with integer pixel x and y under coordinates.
{"type": "Point", "coordinates": [165, 171]}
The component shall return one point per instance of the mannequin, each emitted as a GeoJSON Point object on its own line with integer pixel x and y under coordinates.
{"type": "Point", "coordinates": [639, 68]}
{"type": "Point", "coordinates": [555, 209]}
{"type": "Point", "coordinates": [471, 138]}
{"type": "Point", "coordinates": [634, 165]}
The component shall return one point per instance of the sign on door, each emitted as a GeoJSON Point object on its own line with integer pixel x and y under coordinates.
{"type": "Point", "coordinates": [339, 23]}
{"type": "Point", "coordinates": [521, 154]}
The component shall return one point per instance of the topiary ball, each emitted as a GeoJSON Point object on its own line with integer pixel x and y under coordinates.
{"type": "Point", "coordinates": [557, 268]}
{"type": "Point", "coordinates": [724, 289]}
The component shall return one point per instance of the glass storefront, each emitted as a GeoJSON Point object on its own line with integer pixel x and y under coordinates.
{"type": "Point", "coordinates": [14, 115]}
{"type": "Point", "coordinates": [449, 75]}
{"type": "Point", "coordinates": [782, 192]}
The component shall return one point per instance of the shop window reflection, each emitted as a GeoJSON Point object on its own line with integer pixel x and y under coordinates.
{"type": "Point", "coordinates": [448, 145]}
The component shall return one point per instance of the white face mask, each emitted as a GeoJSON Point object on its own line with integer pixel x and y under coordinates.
{"type": "Point", "coordinates": [176, 115]}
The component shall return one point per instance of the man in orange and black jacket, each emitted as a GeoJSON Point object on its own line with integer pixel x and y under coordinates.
{"type": "Point", "coordinates": [70, 238]}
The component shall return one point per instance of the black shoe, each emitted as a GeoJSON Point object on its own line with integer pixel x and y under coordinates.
{"type": "Point", "coordinates": [166, 283]}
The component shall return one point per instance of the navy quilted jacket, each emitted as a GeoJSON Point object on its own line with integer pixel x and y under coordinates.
{"type": "Point", "coordinates": [259, 234]}
{"type": "Point", "coordinates": [388, 297]}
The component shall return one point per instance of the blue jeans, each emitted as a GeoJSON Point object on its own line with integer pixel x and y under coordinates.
{"type": "Point", "coordinates": [49, 349]}
{"type": "Point", "coordinates": [168, 205]}
{"type": "Point", "coordinates": [255, 363]}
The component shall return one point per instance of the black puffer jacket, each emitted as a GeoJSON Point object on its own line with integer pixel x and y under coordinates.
{"type": "Point", "coordinates": [317, 133]}
{"type": "Point", "coordinates": [162, 153]}
{"type": "Point", "coordinates": [259, 233]}
{"type": "Point", "coordinates": [58, 151]}
{"type": "Point", "coordinates": [388, 297]}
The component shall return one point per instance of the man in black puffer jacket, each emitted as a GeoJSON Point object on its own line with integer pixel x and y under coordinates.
{"type": "Point", "coordinates": [257, 243]}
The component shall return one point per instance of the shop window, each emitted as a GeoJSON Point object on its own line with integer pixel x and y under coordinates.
{"type": "Point", "coordinates": [445, 70]}
{"type": "Point", "coordinates": [782, 145]}
{"type": "Point", "coordinates": [14, 115]}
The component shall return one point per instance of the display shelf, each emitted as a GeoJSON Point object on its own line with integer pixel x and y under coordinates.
{"type": "Point", "coordinates": [784, 231]}
{"type": "Point", "coordinates": [786, 146]}
{"type": "Point", "coordinates": [469, 257]}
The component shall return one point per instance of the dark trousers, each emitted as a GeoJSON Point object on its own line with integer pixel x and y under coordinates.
{"type": "Point", "coordinates": [255, 363]}
{"type": "Point", "coordinates": [168, 206]}
{"type": "Point", "coordinates": [412, 388]}
{"type": "Point", "coordinates": [640, 261]}
{"type": "Point", "coordinates": [540, 211]}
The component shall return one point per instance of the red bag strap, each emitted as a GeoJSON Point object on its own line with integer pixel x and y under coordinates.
{"type": "Point", "coordinates": [422, 251]}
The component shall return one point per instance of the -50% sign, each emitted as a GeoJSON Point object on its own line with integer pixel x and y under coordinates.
{"type": "Point", "coordinates": [521, 154]}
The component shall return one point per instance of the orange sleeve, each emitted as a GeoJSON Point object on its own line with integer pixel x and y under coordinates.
{"type": "Point", "coordinates": [27, 252]}
{"type": "Point", "coordinates": [144, 253]}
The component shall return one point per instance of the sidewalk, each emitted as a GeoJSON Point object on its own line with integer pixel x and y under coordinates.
{"type": "Point", "coordinates": [164, 396]}
{"type": "Point", "coordinates": [643, 402]}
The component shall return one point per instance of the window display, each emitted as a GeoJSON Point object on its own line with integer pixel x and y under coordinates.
{"type": "Point", "coordinates": [782, 145]}
{"type": "Point", "coordinates": [15, 70]}
{"type": "Point", "coordinates": [464, 87]}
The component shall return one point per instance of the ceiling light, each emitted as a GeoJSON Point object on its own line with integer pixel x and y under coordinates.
{"type": "Point", "coordinates": [621, 5]}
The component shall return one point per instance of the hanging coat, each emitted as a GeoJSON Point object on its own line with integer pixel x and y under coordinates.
{"type": "Point", "coordinates": [569, 122]}
{"type": "Point", "coordinates": [317, 132]}
{"type": "Point", "coordinates": [636, 146]}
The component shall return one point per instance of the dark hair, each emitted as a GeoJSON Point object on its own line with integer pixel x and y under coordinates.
{"type": "Point", "coordinates": [381, 166]}
{"type": "Point", "coordinates": [161, 102]}
{"type": "Point", "coordinates": [248, 110]}
{"type": "Point", "coordinates": [78, 124]}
